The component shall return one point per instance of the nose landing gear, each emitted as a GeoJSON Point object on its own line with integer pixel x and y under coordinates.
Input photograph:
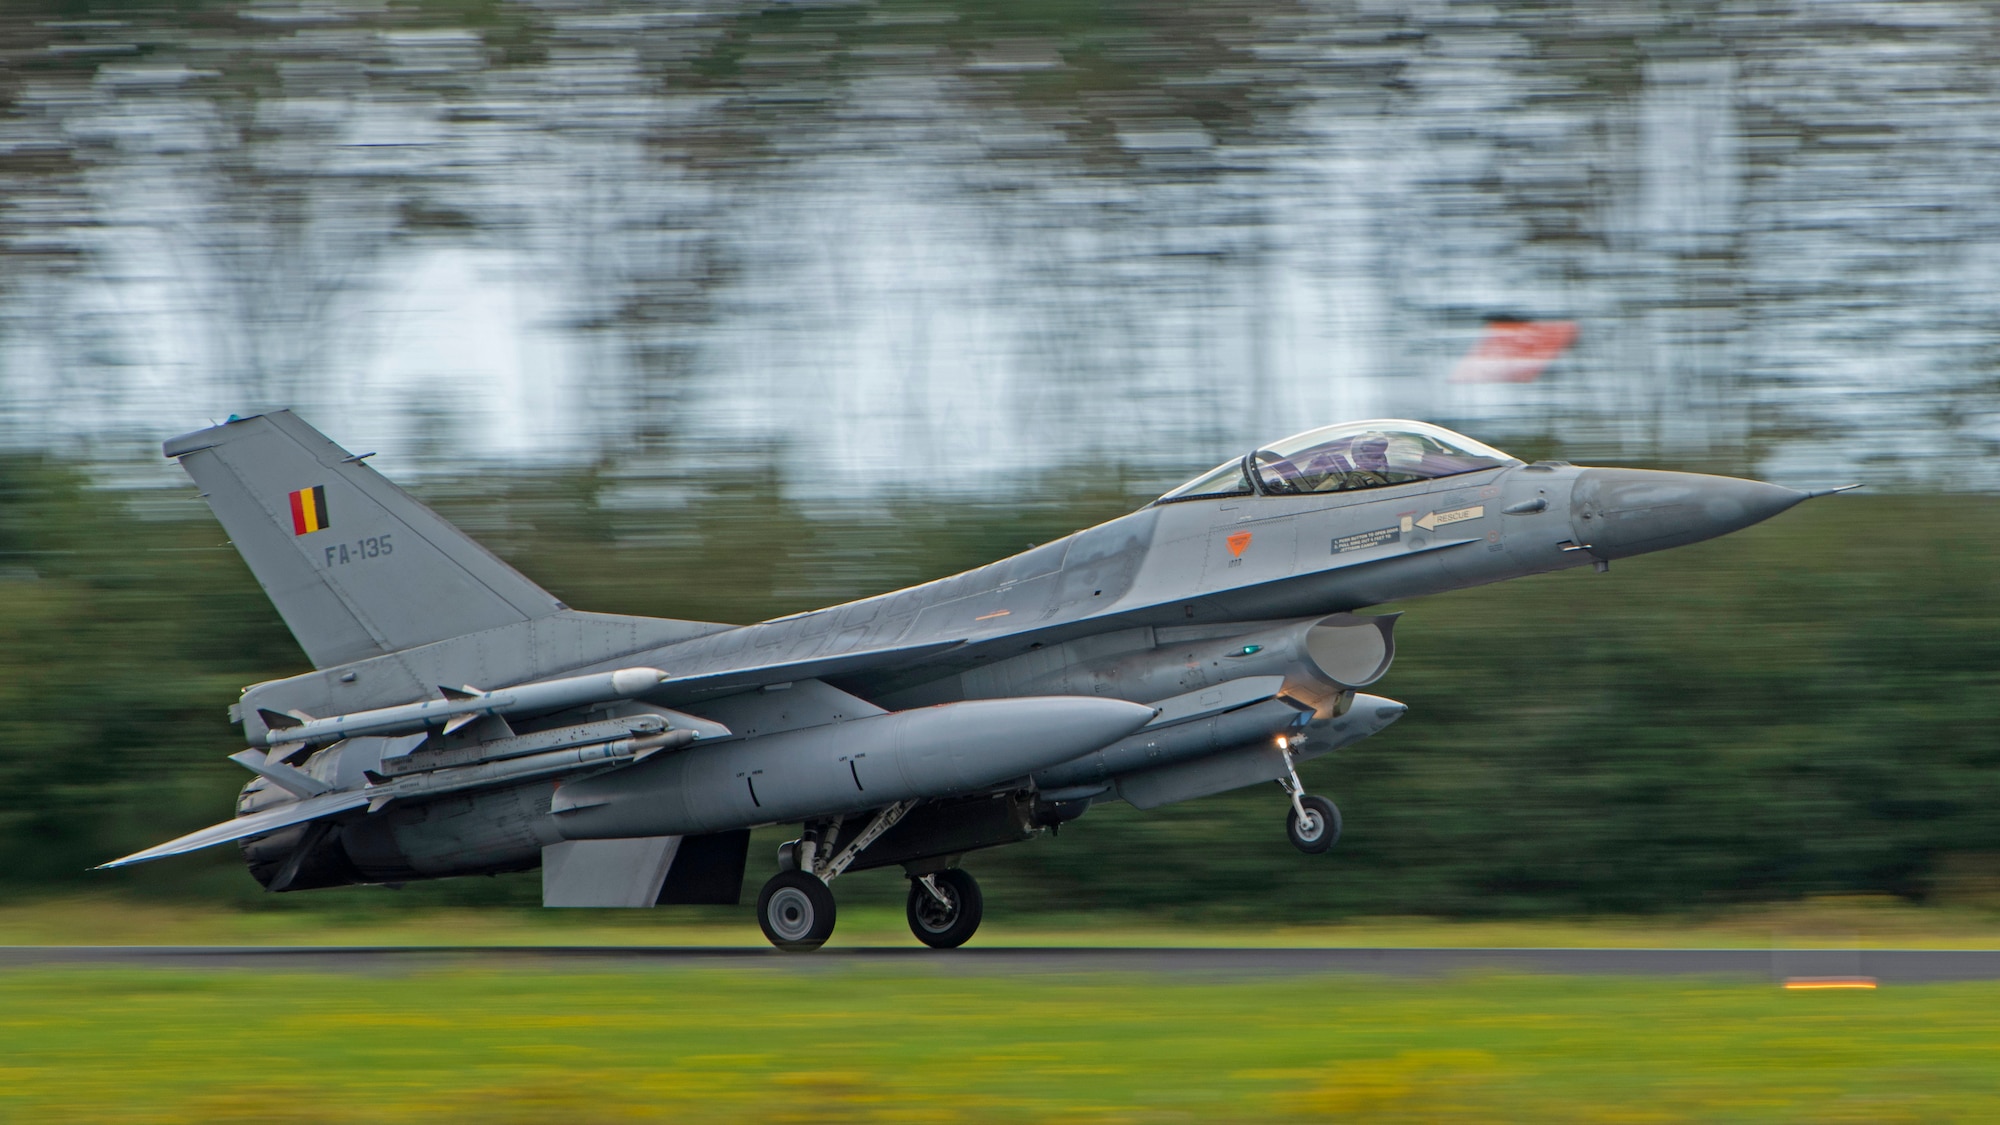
{"type": "Point", "coordinates": [1314, 826]}
{"type": "Point", "coordinates": [944, 908]}
{"type": "Point", "coordinates": [1313, 822]}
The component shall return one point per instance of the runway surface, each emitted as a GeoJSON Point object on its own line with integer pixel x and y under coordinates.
{"type": "Point", "coordinates": [1883, 965]}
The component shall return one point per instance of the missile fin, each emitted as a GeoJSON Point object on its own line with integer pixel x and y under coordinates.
{"type": "Point", "coordinates": [278, 720]}
{"type": "Point", "coordinates": [646, 746]}
{"type": "Point", "coordinates": [283, 776]}
{"type": "Point", "coordinates": [466, 692]}
{"type": "Point", "coordinates": [476, 727]}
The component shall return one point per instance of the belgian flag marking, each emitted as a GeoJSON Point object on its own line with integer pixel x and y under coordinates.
{"type": "Point", "coordinates": [309, 510]}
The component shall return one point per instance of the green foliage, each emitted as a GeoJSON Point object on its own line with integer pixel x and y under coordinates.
{"type": "Point", "coordinates": [126, 638]}
{"type": "Point", "coordinates": [1802, 708]}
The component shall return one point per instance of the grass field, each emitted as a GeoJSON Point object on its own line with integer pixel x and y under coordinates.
{"type": "Point", "coordinates": [845, 1043]}
{"type": "Point", "coordinates": [808, 1040]}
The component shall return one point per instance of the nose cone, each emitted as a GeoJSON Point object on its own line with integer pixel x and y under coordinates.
{"type": "Point", "coordinates": [1621, 512]}
{"type": "Point", "coordinates": [1367, 715]}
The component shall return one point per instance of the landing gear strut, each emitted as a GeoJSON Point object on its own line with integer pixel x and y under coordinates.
{"type": "Point", "coordinates": [944, 908]}
{"type": "Point", "coordinates": [795, 908]}
{"type": "Point", "coordinates": [1313, 822]}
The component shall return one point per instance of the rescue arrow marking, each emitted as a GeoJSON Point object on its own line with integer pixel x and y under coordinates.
{"type": "Point", "coordinates": [1431, 521]}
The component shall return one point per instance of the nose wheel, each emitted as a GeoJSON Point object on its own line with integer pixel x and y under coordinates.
{"type": "Point", "coordinates": [1313, 822]}
{"type": "Point", "coordinates": [944, 908]}
{"type": "Point", "coordinates": [1314, 825]}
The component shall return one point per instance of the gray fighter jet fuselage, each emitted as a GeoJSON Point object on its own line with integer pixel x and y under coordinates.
{"type": "Point", "coordinates": [1203, 643]}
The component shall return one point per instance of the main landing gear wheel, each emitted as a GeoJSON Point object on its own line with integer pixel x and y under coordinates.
{"type": "Point", "coordinates": [1318, 830]}
{"type": "Point", "coordinates": [796, 911]}
{"type": "Point", "coordinates": [944, 908]}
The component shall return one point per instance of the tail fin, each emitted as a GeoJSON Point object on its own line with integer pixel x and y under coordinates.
{"type": "Point", "coordinates": [356, 566]}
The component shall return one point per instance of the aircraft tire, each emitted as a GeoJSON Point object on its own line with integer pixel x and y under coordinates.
{"type": "Point", "coordinates": [937, 926]}
{"type": "Point", "coordinates": [795, 911]}
{"type": "Point", "coordinates": [1322, 829]}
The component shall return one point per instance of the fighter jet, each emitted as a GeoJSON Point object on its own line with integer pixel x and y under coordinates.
{"type": "Point", "coordinates": [462, 721]}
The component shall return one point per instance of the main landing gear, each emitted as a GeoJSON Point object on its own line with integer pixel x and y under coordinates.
{"type": "Point", "coordinates": [796, 910]}
{"type": "Point", "coordinates": [944, 908]}
{"type": "Point", "coordinates": [1313, 822]}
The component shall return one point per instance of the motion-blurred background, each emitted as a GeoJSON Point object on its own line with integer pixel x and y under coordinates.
{"type": "Point", "coordinates": [730, 310]}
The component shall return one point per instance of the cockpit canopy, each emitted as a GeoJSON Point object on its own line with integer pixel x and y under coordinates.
{"type": "Point", "coordinates": [1345, 458]}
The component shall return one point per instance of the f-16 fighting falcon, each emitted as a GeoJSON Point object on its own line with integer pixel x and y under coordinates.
{"type": "Point", "coordinates": [462, 721]}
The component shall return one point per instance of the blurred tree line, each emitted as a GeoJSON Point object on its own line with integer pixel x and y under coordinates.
{"type": "Point", "coordinates": [1805, 707]}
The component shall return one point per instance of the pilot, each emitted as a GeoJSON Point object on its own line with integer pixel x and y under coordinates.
{"type": "Point", "coordinates": [1326, 470]}
{"type": "Point", "coordinates": [1370, 454]}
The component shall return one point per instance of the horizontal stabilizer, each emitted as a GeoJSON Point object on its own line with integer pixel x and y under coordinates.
{"type": "Point", "coordinates": [256, 824]}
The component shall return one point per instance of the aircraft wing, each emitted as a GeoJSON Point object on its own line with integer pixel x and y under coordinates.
{"type": "Point", "coordinates": [723, 681]}
{"type": "Point", "coordinates": [256, 824]}
{"type": "Point", "coordinates": [730, 680]}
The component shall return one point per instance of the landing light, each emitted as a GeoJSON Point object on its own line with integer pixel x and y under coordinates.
{"type": "Point", "coordinates": [1284, 743]}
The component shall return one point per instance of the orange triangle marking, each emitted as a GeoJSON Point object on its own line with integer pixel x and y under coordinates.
{"type": "Point", "coordinates": [1238, 540]}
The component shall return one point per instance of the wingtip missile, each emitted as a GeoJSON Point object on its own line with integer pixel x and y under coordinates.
{"type": "Point", "coordinates": [458, 707]}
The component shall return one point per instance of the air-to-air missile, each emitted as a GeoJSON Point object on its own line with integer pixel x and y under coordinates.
{"type": "Point", "coordinates": [460, 707]}
{"type": "Point", "coordinates": [1205, 642]}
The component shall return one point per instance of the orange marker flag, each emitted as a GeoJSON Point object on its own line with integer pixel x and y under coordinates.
{"type": "Point", "coordinates": [1515, 351]}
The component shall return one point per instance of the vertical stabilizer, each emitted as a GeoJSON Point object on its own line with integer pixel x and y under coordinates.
{"type": "Point", "coordinates": [356, 566]}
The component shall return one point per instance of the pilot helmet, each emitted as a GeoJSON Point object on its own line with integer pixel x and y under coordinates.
{"type": "Point", "coordinates": [1370, 451]}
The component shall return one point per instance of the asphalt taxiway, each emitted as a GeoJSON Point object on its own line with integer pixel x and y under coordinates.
{"type": "Point", "coordinates": [1880, 965]}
